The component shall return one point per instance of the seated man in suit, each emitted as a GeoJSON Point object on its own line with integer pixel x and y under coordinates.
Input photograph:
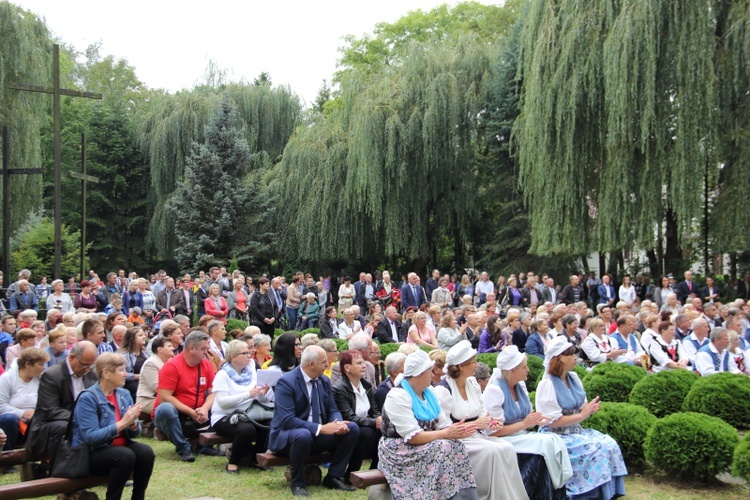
{"type": "Point", "coordinates": [302, 426]}
{"type": "Point", "coordinates": [388, 327]}
{"type": "Point", "coordinates": [59, 387]}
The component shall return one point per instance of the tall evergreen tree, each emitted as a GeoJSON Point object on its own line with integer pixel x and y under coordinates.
{"type": "Point", "coordinates": [211, 202]}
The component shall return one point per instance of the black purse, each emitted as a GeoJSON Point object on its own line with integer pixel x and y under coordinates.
{"type": "Point", "coordinates": [70, 462]}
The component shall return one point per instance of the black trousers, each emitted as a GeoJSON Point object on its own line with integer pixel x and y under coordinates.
{"type": "Point", "coordinates": [118, 462]}
{"type": "Point", "coordinates": [367, 447]}
{"type": "Point", "coordinates": [247, 439]}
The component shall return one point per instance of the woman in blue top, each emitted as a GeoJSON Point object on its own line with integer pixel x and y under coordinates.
{"type": "Point", "coordinates": [598, 467]}
{"type": "Point", "coordinates": [106, 420]}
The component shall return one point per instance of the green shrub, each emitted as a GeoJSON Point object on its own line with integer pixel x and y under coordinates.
{"type": "Point", "coordinates": [741, 461]}
{"type": "Point", "coordinates": [234, 324]}
{"type": "Point", "coordinates": [664, 392]}
{"type": "Point", "coordinates": [691, 445]}
{"type": "Point", "coordinates": [612, 382]}
{"type": "Point", "coordinates": [316, 331]}
{"type": "Point", "coordinates": [341, 344]}
{"type": "Point", "coordinates": [387, 348]}
{"type": "Point", "coordinates": [488, 358]}
{"type": "Point", "coordinates": [627, 424]}
{"type": "Point", "coordinates": [724, 395]}
{"type": "Point", "coordinates": [581, 371]}
{"type": "Point", "coordinates": [536, 371]}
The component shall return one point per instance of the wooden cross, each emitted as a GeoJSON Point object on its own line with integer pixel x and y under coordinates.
{"type": "Point", "coordinates": [84, 178]}
{"type": "Point", "coordinates": [7, 172]}
{"type": "Point", "coordinates": [56, 92]}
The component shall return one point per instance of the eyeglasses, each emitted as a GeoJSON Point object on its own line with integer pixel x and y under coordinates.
{"type": "Point", "coordinates": [244, 353]}
{"type": "Point", "coordinates": [297, 345]}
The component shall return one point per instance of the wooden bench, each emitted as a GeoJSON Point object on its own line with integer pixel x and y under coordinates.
{"type": "Point", "coordinates": [17, 457]}
{"type": "Point", "coordinates": [49, 486]}
{"type": "Point", "coordinates": [269, 459]}
{"type": "Point", "coordinates": [365, 478]}
{"type": "Point", "coordinates": [212, 438]}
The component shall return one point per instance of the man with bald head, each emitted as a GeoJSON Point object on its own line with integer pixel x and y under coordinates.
{"type": "Point", "coordinates": [59, 387]}
{"type": "Point", "coordinates": [412, 293]}
{"type": "Point", "coordinates": [118, 333]}
{"type": "Point", "coordinates": [307, 422]}
{"type": "Point", "coordinates": [693, 343]}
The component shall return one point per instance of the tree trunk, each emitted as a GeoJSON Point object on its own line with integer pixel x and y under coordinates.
{"type": "Point", "coordinates": [672, 253]}
{"type": "Point", "coordinates": [653, 262]}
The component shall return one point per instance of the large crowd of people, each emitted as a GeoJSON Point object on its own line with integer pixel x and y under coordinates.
{"type": "Point", "coordinates": [106, 356]}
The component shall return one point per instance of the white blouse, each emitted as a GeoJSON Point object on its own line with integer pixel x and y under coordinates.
{"type": "Point", "coordinates": [362, 406]}
{"type": "Point", "coordinates": [457, 407]}
{"type": "Point", "coordinates": [627, 294]}
{"type": "Point", "coordinates": [398, 407]}
{"type": "Point", "coordinates": [231, 396]}
{"type": "Point", "coordinates": [661, 357]}
{"type": "Point", "coordinates": [597, 349]}
{"type": "Point", "coordinates": [546, 398]}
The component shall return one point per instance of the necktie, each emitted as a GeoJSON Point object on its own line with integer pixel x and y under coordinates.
{"type": "Point", "coordinates": [315, 402]}
{"type": "Point", "coordinates": [414, 292]}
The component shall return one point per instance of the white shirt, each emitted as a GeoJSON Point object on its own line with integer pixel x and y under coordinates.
{"type": "Point", "coordinates": [627, 294]}
{"type": "Point", "coordinates": [398, 406]}
{"type": "Point", "coordinates": [661, 357]}
{"type": "Point", "coordinates": [230, 395]}
{"type": "Point", "coordinates": [309, 385]}
{"type": "Point", "coordinates": [485, 287]}
{"type": "Point", "coordinates": [704, 363]}
{"type": "Point", "coordinates": [362, 404]}
{"type": "Point", "coordinates": [647, 337]}
{"type": "Point", "coordinates": [546, 398]}
{"type": "Point", "coordinates": [633, 354]}
{"type": "Point", "coordinates": [78, 385]}
{"type": "Point", "coordinates": [687, 348]}
{"type": "Point", "coordinates": [394, 331]}
{"type": "Point", "coordinates": [597, 349]}
{"type": "Point", "coordinates": [346, 331]}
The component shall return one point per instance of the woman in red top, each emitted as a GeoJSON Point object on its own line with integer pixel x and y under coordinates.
{"type": "Point", "coordinates": [215, 304]}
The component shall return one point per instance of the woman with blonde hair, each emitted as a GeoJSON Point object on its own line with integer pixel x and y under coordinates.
{"type": "Point", "coordinates": [420, 332]}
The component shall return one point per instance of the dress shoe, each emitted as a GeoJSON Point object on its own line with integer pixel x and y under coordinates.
{"type": "Point", "coordinates": [299, 491]}
{"type": "Point", "coordinates": [232, 471]}
{"type": "Point", "coordinates": [259, 467]}
{"type": "Point", "coordinates": [336, 483]}
{"type": "Point", "coordinates": [211, 452]}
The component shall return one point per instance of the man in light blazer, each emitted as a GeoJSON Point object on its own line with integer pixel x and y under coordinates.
{"type": "Point", "coordinates": [311, 424]}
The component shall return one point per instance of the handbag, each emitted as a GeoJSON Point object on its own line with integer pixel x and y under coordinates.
{"type": "Point", "coordinates": [70, 462]}
{"type": "Point", "coordinates": [256, 413]}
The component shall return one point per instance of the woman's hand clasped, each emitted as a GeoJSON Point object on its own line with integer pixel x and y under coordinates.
{"type": "Point", "coordinates": [533, 419]}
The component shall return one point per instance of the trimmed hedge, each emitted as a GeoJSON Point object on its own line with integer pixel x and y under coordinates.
{"type": "Point", "coordinates": [489, 359]}
{"type": "Point", "coordinates": [627, 424]}
{"type": "Point", "coordinates": [536, 371]}
{"type": "Point", "coordinates": [663, 393]}
{"type": "Point", "coordinates": [233, 324]}
{"type": "Point", "coordinates": [612, 382]}
{"type": "Point", "coordinates": [741, 461]}
{"type": "Point", "coordinates": [691, 445]}
{"type": "Point", "coordinates": [723, 395]}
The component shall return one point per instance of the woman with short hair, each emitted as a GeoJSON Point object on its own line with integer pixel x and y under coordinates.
{"type": "Point", "coordinates": [19, 386]}
{"type": "Point", "coordinates": [235, 388]}
{"type": "Point", "coordinates": [106, 420]}
{"type": "Point", "coordinates": [215, 304]}
{"type": "Point", "coordinates": [58, 346]}
{"type": "Point", "coordinates": [309, 312]}
{"type": "Point", "coordinates": [58, 299]}
{"type": "Point", "coordinates": [162, 351]}
{"type": "Point", "coordinates": [262, 344]}
{"type": "Point", "coordinates": [355, 399]}
{"type": "Point", "coordinates": [421, 333]}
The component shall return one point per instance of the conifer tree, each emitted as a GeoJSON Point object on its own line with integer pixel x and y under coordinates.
{"type": "Point", "coordinates": [210, 204]}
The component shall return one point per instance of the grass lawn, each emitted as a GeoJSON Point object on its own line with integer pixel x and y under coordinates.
{"type": "Point", "coordinates": [205, 477]}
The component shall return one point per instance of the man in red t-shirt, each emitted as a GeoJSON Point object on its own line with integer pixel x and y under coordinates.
{"type": "Point", "coordinates": [184, 394]}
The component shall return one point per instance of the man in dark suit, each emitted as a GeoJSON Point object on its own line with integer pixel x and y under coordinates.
{"type": "Point", "coordinates": [304, 426]}
{"type": "Point", "coordinates": [59, 387]}
{"type": "Point", "coordinates": [187, 304]}
{"type": "Point", "coordinates": [606, 291]}
{"type": "Point", "coordinates": [412, 294]}
{"type": "Point", "coordinates": [687, 289]}
{"type": "Point", "coordinates": [549, 293]}
{"type": "Point", "coordinates": [572, 292]}
{"type": "Point", "coordinates": [169, 298]}
{"type": "Point", "coordinates": [365, 292]}
{"type": "Point", "coordinates": [389, 327]}
{"type": "Point", "coordinates": [432, 283]}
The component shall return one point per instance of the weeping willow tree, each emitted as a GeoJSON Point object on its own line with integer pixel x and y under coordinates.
{"type": "Point", "coordinates": [267, 115]}
{"type": "Point", "coordinates": [620, 117]}
{"type": "Point", "coordinates": [392, 172]}
{"type": "Point", "coordinates": [25, 57]}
